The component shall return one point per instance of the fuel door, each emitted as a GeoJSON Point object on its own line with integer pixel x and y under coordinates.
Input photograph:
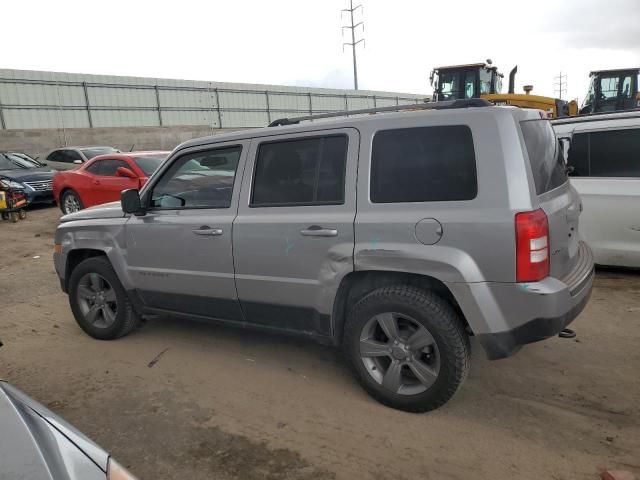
{"type": "Point", "coordinates": [428, 231]}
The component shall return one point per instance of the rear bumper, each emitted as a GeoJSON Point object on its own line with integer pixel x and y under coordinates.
{"type": "Point", "coordinates": [504, 344]}
{"type": "Point", "coordinates": [505, 316]}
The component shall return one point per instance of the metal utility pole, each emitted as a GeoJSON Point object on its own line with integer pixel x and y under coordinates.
{"type": "Point", "coordinates": [560, 84]}
{"type": "Point", "coordinates": [352, 26]}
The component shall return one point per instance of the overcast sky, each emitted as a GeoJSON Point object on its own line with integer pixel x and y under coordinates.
{"type": "Point", "coordinates": [299, 42]}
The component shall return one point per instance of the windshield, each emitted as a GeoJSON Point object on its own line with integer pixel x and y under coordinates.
{"type": "Point", "coordinates": [94, 152]}
{"type": "Point", "coordinates": [27, 158]}
{"type": "Point", "coordinates": [149, 163]}
{"type": "Point", "coordinates": [545, 155]}
{"type": "Point", "coordinates": [9, 161]}
{"type": "Point", "coordinates": [449, 86]}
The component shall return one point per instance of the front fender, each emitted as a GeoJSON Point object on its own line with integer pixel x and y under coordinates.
{"type": "Point", "coordinates": [104, 235]}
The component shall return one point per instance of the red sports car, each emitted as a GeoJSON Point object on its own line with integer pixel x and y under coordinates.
{"type": "Point", "coordinates": [103, 178]}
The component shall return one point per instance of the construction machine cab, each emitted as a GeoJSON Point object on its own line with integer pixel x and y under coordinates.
{"type": "Point", "coordinates": [612, 90]}
{"type": "Point", "coordinates": [457, 82]}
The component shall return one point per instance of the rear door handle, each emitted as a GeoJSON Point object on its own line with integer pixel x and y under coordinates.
{"type": "Point", "coordinates": [318, 231]}
{"type": "Point", "coordinates": [206, 230]}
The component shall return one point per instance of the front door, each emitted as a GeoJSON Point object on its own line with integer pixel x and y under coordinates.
{"type": "Point", "coordinates": [179, 254]}
{"type": "Point", "coordinates": [106, 186]}
{"type": "Point", "coordinates": [293, 237]}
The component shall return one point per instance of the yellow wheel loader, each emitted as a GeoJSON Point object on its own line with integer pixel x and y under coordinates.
{"type": "Point", "coordinates": [482, 80]}
{"type": "Point", "coordinates": [612, 91]}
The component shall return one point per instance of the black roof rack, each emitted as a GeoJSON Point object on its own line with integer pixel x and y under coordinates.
{"type": "Point", "coordinates": [450, 104]}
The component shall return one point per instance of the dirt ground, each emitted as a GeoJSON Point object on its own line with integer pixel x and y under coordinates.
{"type": "Point", "coordinates": [232, 404]}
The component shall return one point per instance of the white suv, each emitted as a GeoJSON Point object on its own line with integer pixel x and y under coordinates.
{"type": "Point", "coordinates": [604, 159]}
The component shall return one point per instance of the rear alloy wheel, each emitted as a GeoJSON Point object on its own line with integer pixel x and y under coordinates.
{"type": "Point", "coordinates": [407, 347]}
{"type": "Point", "coordinates": [98, 301]}
{"type": "Point", "coordinates": [70, 202]}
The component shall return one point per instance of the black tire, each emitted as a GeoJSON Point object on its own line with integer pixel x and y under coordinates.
{"type": "Point", "coordinates": [70, 193]}
{"type": "Point", "coordinates": [441, 321]}
{"type": "Point", "coordinates": [126, 320]}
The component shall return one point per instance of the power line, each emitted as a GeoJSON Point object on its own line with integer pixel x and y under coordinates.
{"type": "Point", "coordinates": [560, 84]}
{"type": "Point", "coordinates": [353, 44]}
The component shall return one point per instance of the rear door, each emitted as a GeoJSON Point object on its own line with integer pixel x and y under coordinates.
{"type": "Point", "coordinates": [557, 197]}
{"type": "Point", "coordinates": [293, 238]}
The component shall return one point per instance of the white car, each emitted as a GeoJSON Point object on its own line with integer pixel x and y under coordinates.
{"type": "Point", "coordinates": [605, 160]}
{"type": "Point", "coordinates": [68, 158]}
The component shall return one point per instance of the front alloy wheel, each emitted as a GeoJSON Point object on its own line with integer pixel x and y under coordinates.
{"type": "Point", "coordinates": [71, 203]}
{"type": "Point", "coordinates": [97, 300]}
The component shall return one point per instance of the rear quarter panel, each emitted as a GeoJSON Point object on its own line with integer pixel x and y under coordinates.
{"type": "Point", "coordinates": [478, 240]}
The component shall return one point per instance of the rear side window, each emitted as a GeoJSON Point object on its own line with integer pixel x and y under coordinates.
{"type": "Point", "coordinates": [308, 171]}
{"type": "Point", "coordinates": [545, 155]}
{"type": "Point", "coordinates": [55, 156]}
{"type": "Point", "coordinates": [70, 156]}
{"type": "Point", "coordinates": [424, 164]}
{"type": "Point", "coordinates": [615, 153]}
{"type": "Point", "coordinates": [579, 155]}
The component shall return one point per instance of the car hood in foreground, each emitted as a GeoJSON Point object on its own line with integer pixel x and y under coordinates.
{"type": "Point", "coordinates": [37, 444]}
{"type": "Point", "coordinates": [107, 210]}
{"type": "Point", "coordinates": [28, 174]}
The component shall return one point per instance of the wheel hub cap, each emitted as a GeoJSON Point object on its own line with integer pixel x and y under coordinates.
{"type": "Point", "coordinates": [400, 352]}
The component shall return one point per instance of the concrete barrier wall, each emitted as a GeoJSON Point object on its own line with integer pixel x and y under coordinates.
{"type": "Point", "coordinates": [37, 142]}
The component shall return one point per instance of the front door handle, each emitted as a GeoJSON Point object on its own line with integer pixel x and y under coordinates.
{"type": "Point", "coordinates": [206, 230]}
{"type": "Point", "coordinates": [318, 231]}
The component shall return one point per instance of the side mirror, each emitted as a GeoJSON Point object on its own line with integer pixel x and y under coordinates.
{"type": "Point", "coordinates": [78, 162]}
{"type": "Point", "coordinates": [130, 202]}
{"type": "Point", "coordinates": [125, 172]}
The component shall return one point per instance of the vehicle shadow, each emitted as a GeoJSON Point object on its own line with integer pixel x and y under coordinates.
{"type": "Point", "coordinates": [270, 346]}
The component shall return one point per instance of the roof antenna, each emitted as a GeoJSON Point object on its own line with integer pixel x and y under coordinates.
{"type": "Point", "coordinates": [131, 149]}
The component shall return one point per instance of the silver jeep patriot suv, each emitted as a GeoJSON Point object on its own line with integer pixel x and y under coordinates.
{"type": "Point", "coordinates": [396, 235]}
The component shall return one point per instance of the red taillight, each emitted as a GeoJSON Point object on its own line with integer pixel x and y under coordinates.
{"type": "Point", "coordinates": [532, 246]}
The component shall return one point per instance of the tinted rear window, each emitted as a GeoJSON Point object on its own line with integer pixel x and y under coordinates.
{"type": "Point", "coordinates": [424, 164]}
{"type": "Point", "coordinates": [545, 155]}
{"type": "Point", "coordinates": [579, 155]}
{"type": "Point", "coordinates": [615, 153]}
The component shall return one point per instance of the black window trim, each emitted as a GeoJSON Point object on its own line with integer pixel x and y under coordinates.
{"type": "Point", "coordinates": [148, 194]}
{"type": "Point", "coordinates": [297, 138]}
{"type": "Point", "coordinates": [370, 179]}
